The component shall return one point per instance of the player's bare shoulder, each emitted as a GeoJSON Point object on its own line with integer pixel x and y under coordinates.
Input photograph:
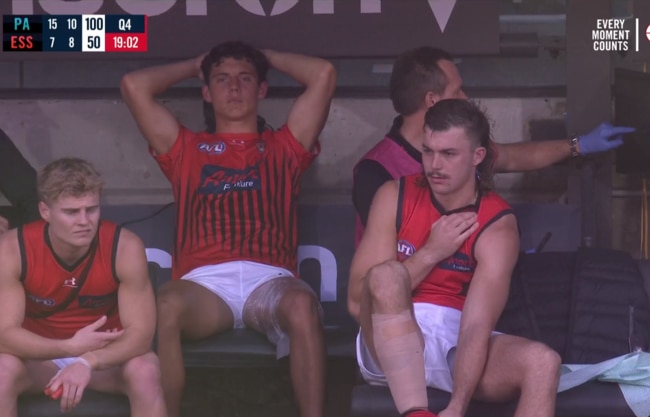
{"type": "Point", "coordinates": [129, 242]}
{"type": "Point", "coordinates": [387, 194]}
{"type": "Point", "coordinates": [130, 253]}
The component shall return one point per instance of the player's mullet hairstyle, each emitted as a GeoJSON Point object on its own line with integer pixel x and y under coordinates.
{"type": "Point", "coordinates": [68, 177]}
{"type": "Point", "coordinates": [462, 113]}
{"type": "Point", "coordinates": [236, 50]}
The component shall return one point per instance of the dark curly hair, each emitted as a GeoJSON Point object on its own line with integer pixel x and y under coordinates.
{"type": "Point", "coordinates": [236, 50]}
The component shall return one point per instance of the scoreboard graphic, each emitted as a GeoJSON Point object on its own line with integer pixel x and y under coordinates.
{"type": "Point", "coordinates": [74, 33]}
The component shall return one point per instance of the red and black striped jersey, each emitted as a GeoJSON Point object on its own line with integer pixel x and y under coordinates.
{"type": "Point", "coordinates": [236, 196]}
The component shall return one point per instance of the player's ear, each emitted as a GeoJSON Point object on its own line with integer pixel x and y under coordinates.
{"type": "Point", "coordinates": [431, 98]}
{"type": "Point", "coordinates": [479, 155]}
{"type": "Point", "coordinates": [264, 87]}
{"type": "Point", "coordinates": [205, 92]}
{"type": "Point", "coordinates": [44, 211]}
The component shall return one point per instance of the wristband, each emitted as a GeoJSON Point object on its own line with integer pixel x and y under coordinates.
{"type": "Point", "coordinates": [83, 362]}
{"type": "Point", "coordinates": [573, 146]}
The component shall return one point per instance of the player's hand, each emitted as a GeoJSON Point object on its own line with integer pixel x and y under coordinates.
{"type": "Point", "coordinates": [69, 383]}
{"type": "Point", "coordinates": [603, 138]}
{"type": "Point", "coordinates": [90, 338]}
{"type": "Point", "coordinates": [4, 225]}
{"type": "Point", "coordinates": [449, 232]}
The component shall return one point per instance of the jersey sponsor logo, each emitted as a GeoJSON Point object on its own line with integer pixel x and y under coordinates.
{"type": "Point", "coordinates": [219, 180]}
{"type": "Point", "coordinates": [96, 301]}
{"type": "Point", "coordinates": [405, 249]}
{"type": "Point", "coordinates": [458, 262]}
{"type": "Point", "coordinates": [212, 148]}
{"type": "Point", "coordinates": [72, 282]}
{"type": "Point", "coordinates": [48, 302]}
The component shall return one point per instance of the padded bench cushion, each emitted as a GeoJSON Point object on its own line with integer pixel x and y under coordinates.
{"type": "Point", "coordinates": [93, 404]}
{"type": "Point", "coordinates": [595, 399]}
{"type": "Point", "coordinates": [241, 348]}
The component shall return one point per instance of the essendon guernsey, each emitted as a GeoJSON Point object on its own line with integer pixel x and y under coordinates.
{"type": "Point", "coordinates": [49, 283]}
{"type": "Point", "coordinates": [448, 282]}
{"type": "Point", "coordinates": [235, 196]}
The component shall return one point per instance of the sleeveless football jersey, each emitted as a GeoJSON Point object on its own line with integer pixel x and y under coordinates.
{"type": "Point", "coordinates": [235, 197]}
{"type": "Point", "coordinates": [49, 282]}
{"type": "Point", "coordinates": [448, 282]}
{"type": "Point", "coordinates": [396, 160]}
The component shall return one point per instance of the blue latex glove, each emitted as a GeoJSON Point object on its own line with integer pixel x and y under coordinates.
{"type": "Point", "coordinates": [603, 138]}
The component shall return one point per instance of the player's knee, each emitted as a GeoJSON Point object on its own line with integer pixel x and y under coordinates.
{"type": "Point", "coordinates": [543, 359]}
{"type": "Point", "coordinates": [387, 280]}
{"type": "Point", "coordinates": [11, 369]}
{"type": "Point", "coordinates": [301, 309]}
{"type": "Point", "coordinates": [142, 376]}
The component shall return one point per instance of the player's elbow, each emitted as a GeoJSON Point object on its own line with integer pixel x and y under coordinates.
{"type": "Point", "coordinates": [130, 86]}
{"type": "Point", "coordinates": [326, 78]}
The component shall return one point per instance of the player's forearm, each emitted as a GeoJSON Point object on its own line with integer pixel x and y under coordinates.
{"type": "Point", "coordinates": [27, 345]}
{"type": "Point", "coordinates": [469, 364]}
{"type": "Point", "coordinates": [420, 265]}
{"type": "Point", "coordinates": [307, 70]}
{"type": "Point", "coordinates": [134, 342]}
{"type": "Point", "coordinates": [530, 156]}
{"type": "Point", "coordinates": [157, 79]}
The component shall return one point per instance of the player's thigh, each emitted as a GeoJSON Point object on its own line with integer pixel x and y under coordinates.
{"type": "Point", "coordinates": [37, 375]}
{"type": "Point", "coordinates": [140, 370]}
{"type": "Point", "coordinates": [198, 311]}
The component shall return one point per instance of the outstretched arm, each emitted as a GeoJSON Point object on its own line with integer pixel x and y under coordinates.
{"type": "Point", "coordinates": [139, 89]}
{"type": "Point", "coordinates": [529, 156]}
{"type": "Point", "coordinates": [496, 254]}
{"type": "Point", "coordinates": [309, 113]}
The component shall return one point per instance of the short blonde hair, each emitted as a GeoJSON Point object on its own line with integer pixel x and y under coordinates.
{"type": "Point", "coordinates": [68, 177]}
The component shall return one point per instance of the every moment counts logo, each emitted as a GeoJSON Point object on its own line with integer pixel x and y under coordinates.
{"type": "Point", "coordinates": [614, 35]}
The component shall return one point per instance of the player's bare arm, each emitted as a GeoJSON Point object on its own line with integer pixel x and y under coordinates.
{"type": "Point", "coordinates": [139, 90]}
{"type": "Point", "coordinates": [496, 253]}
{"type": "Point", "coordinates": [379, 243]}
{"type": "Point", "coordinates": [309, 113]}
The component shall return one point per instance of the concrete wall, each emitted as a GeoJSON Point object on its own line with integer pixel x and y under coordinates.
{"type": "Point", "coordinates": [104, 132]}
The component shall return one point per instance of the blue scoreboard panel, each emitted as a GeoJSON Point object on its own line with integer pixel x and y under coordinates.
{"type": "Point", "coordinates": [74, 33]}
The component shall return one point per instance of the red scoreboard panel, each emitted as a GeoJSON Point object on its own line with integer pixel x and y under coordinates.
{"type": "Point", "coordinates": [74, 33]}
